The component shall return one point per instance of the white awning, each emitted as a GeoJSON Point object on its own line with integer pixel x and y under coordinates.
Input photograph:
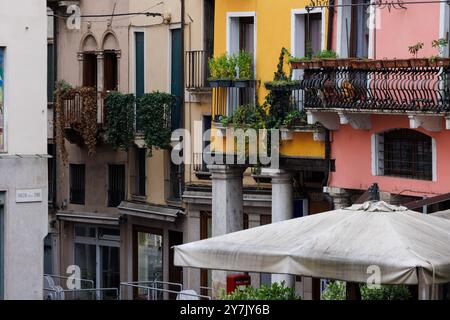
{"type": "Point", "coordinates": [92, 218]}
{"type": "Point", "coordinates": [346, 244]}
{"type": "Point", "coordinates": [148, 211]}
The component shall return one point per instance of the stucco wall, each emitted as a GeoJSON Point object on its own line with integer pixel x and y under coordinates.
{"type": "Point", "coordinates": [23, 31]}
{"type": "Point", "coordinates": [352, 150]}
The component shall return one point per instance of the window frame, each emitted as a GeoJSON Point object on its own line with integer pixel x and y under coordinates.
{"type": "Point", "coordinates": [71, 201]}
{"type": "Point", "coordinates": [379, 161]}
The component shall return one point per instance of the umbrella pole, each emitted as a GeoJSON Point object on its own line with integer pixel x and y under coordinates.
{"type": "Point", "coordinates": [353, 292]}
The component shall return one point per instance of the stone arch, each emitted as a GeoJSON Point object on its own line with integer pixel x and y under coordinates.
{"type": "Point", "coordinates": [109, 41]}
{"type": "Point", "coordinates": [88, 43]}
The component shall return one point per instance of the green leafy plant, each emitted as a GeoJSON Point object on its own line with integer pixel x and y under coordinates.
{"type": "Point", "coordinates": [231, 67]}
{"type": "Point", "coordinates": [221, 68]}
{"type": "Point", "coordinates": [326, 54]}
{"type": "Point", "coordinates": [249, 116]}
{"type": "Point", "coordinates": [243, 61]}
{"type": "Point", "coordinates": [154, 114]}
{"type": "Point", "coordinates": [120, 120]}
{"type": "Point", "coordinates": [336, 291]}
{"type": "Point", "coordinates": [293, 118]}
{"type": "Point", "coordinates": [440, 44]}
{"type": "Point", "coordinates": [414, 49]}
{"type": "Point", "coordinates": [274, 292]}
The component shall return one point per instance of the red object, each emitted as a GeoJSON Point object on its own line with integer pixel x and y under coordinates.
{"type": "Point", "coordinates": [237, 281]}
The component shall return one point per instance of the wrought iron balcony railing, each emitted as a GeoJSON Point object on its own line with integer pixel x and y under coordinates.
{"type": "Point", "coordinates": [196, 69]}
{"type": "Point", "coordinates": [419, 89]}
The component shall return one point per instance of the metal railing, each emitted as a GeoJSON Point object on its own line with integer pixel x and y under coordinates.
{"type": "Point", "coordinates": [397, 89]}
{"type": "Point", "coordinates": [196, 69]}
{"type": "Point", "coordinates": [198, 164]}
{"type": "Point", "coordinates": [59, 278]}
{"type": "Point", "coordinates": [82, 294]}
{"type": "Point", "coordinates": [153, 291]}
{"type": "Point", "coordinates": [226, 100]}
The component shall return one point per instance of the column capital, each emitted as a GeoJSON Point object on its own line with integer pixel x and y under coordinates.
{"type": "Point", "coordinates": [80, 56]}
{"type": "Point", "coordinates": [226, 171]}
{"type": "Point", "coordinates": [279, 176]}
{"type": "Point", "coordinates": [100, 54]}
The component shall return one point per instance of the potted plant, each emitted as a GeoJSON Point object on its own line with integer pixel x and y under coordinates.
{"type": "Point", "coordinates": [439, 61]}
{"type": "Point", "coordinates": [300, 63]}
{"type": "Point", "coordinates": [401, 63]}
{"type": "Point", "coordinates": [243, 65]}
{"type": "Point", "coordinates": [282, 85]}
{"type": "Point", "coordinates": [343, 63]}
{"type": "Point", "coordinates": [221, 71]}
{"type": "Point", "coordinates": [417, 62]}
{"type": "Point", "coordinates": [388, 63]}
{"type": "Point", "coordinates": [361, 64]}
{"type": "Point", "coordinates": [328, 58]}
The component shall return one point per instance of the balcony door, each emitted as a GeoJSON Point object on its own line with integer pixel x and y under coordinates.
{"type": "Point", "coordinates": [90, 70]}
{"type": "Point", "coordinates": [241, 34]}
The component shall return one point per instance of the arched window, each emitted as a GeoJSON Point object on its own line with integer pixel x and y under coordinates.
{"type": "Point", "coordinates": [405, 153]}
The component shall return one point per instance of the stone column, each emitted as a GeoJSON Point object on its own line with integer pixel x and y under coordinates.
{"type": "Point", "coordinates": [227, 209]}
{"type": "Point", "coordinates": [100, 76]}
{"type": "Point", "coordinates": [80, 57]}
{"type": "Point", "coordinates": [119, 56]}
{"type": "Point", "coordinates": [191, 276]}
{"type": "Point", "coordinates": [282, 209]}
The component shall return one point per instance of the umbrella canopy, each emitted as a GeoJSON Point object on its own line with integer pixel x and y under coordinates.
{"type": "Point", "coordinates": [340, 244]}
{"type": "Point", "coordinates": [441, 214]}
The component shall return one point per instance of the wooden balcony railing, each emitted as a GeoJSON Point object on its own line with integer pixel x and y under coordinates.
{"type": "Point", "coordinates": [377, 88]}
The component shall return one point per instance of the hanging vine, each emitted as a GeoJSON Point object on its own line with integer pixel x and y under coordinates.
{"type": "Point", "coordinates": [153, 112]}
{"type": "Point", "coordinates": [63, 89]}
{"type": "Point", "coordinates": [88, 124]}
{"type": "Point", "coordinates": [120, 120]}
{"type": "Point", "coordinates": [85, 122]}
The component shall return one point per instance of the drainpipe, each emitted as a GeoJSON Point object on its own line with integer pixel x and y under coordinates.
{"type": "Point", "coordinates": [182, 98]}
{"type": "Point", "coordinates": [55, 75]}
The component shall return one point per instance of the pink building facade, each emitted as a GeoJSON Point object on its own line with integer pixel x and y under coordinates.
{"type": "Point", "coordinates": [398, 134]}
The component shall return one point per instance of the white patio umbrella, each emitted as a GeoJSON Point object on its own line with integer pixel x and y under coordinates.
{"type": "Point", "coordinates": [441, 214]}
{"type": "Point", "coordinates": [345, 244]}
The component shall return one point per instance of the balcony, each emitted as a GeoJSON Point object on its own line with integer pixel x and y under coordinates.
{"type": "Point", "coordinates": [75, 107]}
{"type": "Point", "coordinates": [396, 86]}
{"type": "Point", "coordinates": [226, 99]}
{"type": "Point", "coordinates": [200, 168]}
{"type": "Point", "coordinates": [197, 70]}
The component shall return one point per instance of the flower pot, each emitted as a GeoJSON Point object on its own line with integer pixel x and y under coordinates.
{"type": "Point", "coordinates": [220, 83]}
{"type": "Point", "coordinates": [419, 63]}
{"type": "Point", "coordinates": [316, 63]}
{"type": "Point", "coordinates": [343, 63]}
{"type": "Point", "coordinates": [389, 64]}
{"type": "Point", "coordinates": [439, 62]}
{"type": "Point", "coordinates": [402, 63]}
{"type": "Point", "coordinates": [300, 64]}
{"type": "Point", "coordinates": [329, 63]}
{"type": "Point", "coordinates": [359, 64]}
{"type": "Point", "coordinates": [241, 83]}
